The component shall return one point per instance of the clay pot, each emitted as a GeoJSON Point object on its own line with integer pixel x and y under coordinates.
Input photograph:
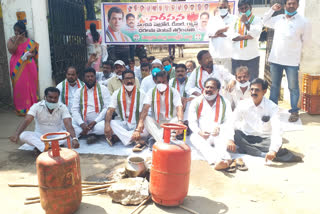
{"type": "Point", "coordinates": [135, 166]}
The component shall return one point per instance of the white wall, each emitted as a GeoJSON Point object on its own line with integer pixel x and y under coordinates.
{"type": "Point", "coordinates": [37, 26]}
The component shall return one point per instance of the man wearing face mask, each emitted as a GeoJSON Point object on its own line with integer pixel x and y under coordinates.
{"type": "Point", "coordinates": [219, 32]}
{"type": "Point", "coordinates": [207, 69]}
{"type": "Point", "coordinates": [106, 74]}
{"type": "Point", "coordinates": [69, 86]}
{"type": "Point", "coordinates": [246, 33]}
{"type": "Point", "coordinates": [167, 66]}
{"type": "Point", "coordinates": [116, 81]}
{"type": "Point", "coordinates": [242, 89]}
{"type": "Point", "coordinates": [165, 104]}
{"type": "Point", "coordinates": [89, 107]}
{"type": "Point", "coordinates": [148, 82]}
{"type": "Point", "coordinates": [127, 102]}
{"type": "Point", "coordinates": [50, 116]}
{"type": "Point", "coordinates": [291, 33]}
{"type": "Point", "coordinates": [260, 130]}
{"type": "Point", "coordinates": [209, 120]}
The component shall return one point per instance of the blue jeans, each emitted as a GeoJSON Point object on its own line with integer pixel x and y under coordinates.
{"type": "Point", "coordinates": [276, 71]}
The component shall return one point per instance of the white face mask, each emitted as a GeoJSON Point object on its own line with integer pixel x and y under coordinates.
{"type": "Point", "coordinates": [223, 12]}
{"type": "Point", "coordinates": [210, 97]}
{"type": "Point", "coordinates": [119, 77]}
{"type": "Point", "coordinates": [161, 87]}
{"type": "Point", "coordinates": [129, 87]}
{"type": "Point", "coordinates": [51, 106]}
{"type": "Point", "coordinates": [243, 85]}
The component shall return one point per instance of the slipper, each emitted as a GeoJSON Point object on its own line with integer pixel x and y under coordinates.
{"type": "Point", "coordinates": [140, 145]}
{"type": "Point", "coordinates": [294, 117]}
{"type": "Point", "coordinates": [232, 167]}
{"type": "Point", "coordinates": [109, 142]}
{"type": "Point", "coordinates": [241, 165]}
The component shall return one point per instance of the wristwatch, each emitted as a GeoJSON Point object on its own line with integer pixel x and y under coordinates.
{"type": "Point", "coordinates": [75, 138]}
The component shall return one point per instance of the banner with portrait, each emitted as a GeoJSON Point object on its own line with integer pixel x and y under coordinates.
{"type": "Point", "coordinates": [158, 23]}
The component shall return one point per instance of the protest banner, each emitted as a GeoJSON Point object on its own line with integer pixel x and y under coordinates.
{"type": "Point", "coordinates": [158, 23]}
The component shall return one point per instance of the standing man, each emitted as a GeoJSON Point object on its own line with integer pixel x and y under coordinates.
{"type": "Point", "coordinates": [260, 131]}
{"type": "Point", "coordinates": [69, 86]}
{"type": "Point", "coordinates": [219, 32]}
{"type": "Point", "coordinates": [292, 31]}
{"type": "Point", "coordinates": [167, 66]}
{"type": "Point", "coordinates": [207, 69]}
{"type": "Point", "coordinates": [116, 81]}
{"type": "Point", "coordinates": [89, 107]}
{"type": "Point", "coordinates": [50, 116]}
{"type": "Point", "coordinates": [247, 30]}
{"type": "Point", "coordinates": [127, 102]}
{"type": "Point", "coordinates": [209, 120]}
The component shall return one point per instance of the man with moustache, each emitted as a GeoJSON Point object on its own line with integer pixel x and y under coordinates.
{"type": "Point", "coordinates": [69, 86]}
{"type": "Point", "coordinates": [292, 32]}
{"type": "Point", "coordinates": [148, 82]}
{"type": "Point", "coordinates": [89, 107]}
{"type": "Point", "coordinates": [203, 20]}
{"type": "Point", "coordinates": [207, 69]}
{"type": "Point", "coordinates": [106, 74]}
{"type": "Point", "coordinates": [260, 132]}
{"type": "Point", "coordinates": [209, 120]}
{"type": "Point", "coordinates": [127, 102]}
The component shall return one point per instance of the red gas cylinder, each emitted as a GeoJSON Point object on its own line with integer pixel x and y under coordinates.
{"type": "Point", "coordinates": [59, 177]}
{"type": "Point", "coordinates": [170, 169]}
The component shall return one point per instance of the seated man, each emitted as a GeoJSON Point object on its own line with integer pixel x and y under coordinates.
{"type": "Point", "coordinates": [209, 120]}
{"type": "Point", "coordinates": [242, 89]}
{"type": "Point", "coordinates": [148, 83]}
{"type": "Point", "coordinates": [89, 107]}
{"type": "Point", "coordinates": [127, 102]}
{"type": "Point", "coordinates": [260, 131]}
{"type": "Point", "coordinates": [145, 70]}
{"type": "Point", "coordinates": [49, 115]}
{"type": "Point", "coordinates": [167, 66]}
{"type": "Point", "coordinates": [166, 106]}
{"type": "Point", "coordinates": [204, 71]}
{"type": "Point", "coordinates": [115, 82]}
{"type": "Point", "coordinates": [68, 86]}
{"type": "Point", "coordinates": [106, 74]}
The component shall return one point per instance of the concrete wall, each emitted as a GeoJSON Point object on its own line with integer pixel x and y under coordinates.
{"type": "Point", "coordinates": [37, 26]}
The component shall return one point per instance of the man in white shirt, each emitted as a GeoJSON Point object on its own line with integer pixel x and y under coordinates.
{"type": "Point", "coordinates": [242, 89]}
{"type": "Point", "coordinates": [127, 102]}
{"type": "Point", "coordinates": [220, 28]}
{"type": "Point", "coordinates": [106, 74]}
{"type": "Point", "coordinates": [166, 106]}
{"type": "Point", "coordinates": [167, 66]}
{"type": "Point", "coordinates": [247, 30]}
{"type": "Point", "coordinates": [291, 33]}
{"type": "Point", "coordinates": [50, 116]}
{"type": "Point", "coordinates": [68, 87]}
{"type": "Point", "coordinates": [204, 71]}
{"type": "Point", "coordinates": [209, 120]}
{"type": "Point", "coordinates": [148, 83]}
{"type": "Point", "coordinates": [260, 131]}
{"type": "Point", "coordinates": [89, 107]}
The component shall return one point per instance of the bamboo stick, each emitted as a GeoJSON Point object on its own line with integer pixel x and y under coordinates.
{"type": "Point", "coordinates": [22, 185]}
{"type": "Point", "coordinates": [141, 204]}
{"type": "Point", "coordinates": [96, 187]}
{"type": "Point", "coordinates": [31, 202]}
{"type": "Point", "coordinates": [188, 209]}
{"type": "Point", "coordinates": [33, 198]}
{"type": "Point", "coordinates": [97, 183]}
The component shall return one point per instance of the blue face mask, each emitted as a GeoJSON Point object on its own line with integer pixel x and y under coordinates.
{"type": "Point", "coordinates": [167, 67]}
{"type": "Point", "coordinates": [51, 106]}
{"type": "Point", "coordinates": [248, 13]}
{"type": "Point", "coordinates": [155, 71]}
{"type": "Point", "coordinates": [181, 79]}
{"type": "Point", "coordinates": [290, 14]}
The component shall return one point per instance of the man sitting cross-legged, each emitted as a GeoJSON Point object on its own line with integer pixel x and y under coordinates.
{"type": "Point", "coordinates": [89, 107]}
{"type": "Point", "coordinates": [127, 102]}
{"type": "Point", "coordinates": [260, 131]}
{"type": "Point", "coordinates": [166, 106]}
{"type": "Point", "coordinates": [209, 120]}
{"type": "Point", "coordinates": [49, 115]}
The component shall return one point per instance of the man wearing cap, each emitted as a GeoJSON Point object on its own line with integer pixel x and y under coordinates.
{"type": "Point", "coordinates": [116, 81]}
{"type": "Point", "coordinates": [148, 83]}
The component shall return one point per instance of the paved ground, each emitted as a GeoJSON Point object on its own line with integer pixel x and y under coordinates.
{"type": "Point", "coordinates": [279, 188]}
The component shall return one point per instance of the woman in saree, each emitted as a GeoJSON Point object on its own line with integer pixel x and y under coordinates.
{"type": "Point", "coordinates": [94, 40]}
{"type": "Point", "coordinates": [23, 69]}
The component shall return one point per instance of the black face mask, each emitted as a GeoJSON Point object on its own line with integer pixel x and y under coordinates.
{"type": "Point", "coordinates": [89, 85]}
{"type": "Point", "coordinates": [265, 118]}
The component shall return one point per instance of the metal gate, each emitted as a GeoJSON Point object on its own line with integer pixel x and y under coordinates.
{"type": "Point", "coordinates": [5, 88]}
{"type": "Point", "coordinates": [67, 36]}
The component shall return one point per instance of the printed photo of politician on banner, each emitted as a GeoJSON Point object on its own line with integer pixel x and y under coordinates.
{"type": "Point", "coordinates": [158, 23]}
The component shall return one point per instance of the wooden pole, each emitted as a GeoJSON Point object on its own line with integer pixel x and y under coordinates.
{"type": "Point", "coordinates": [141, 204]}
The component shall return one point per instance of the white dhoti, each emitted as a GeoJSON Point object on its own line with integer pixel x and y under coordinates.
{"type": "Point", "coordinates": [154, 128]}
{"type": "Point", "coordinates": [124, 131]}
{"type": "Point", "coordinates": [214, 149]}
{"type": "Point", "coordinates": [98, 129]}
{"type": "Point", "coordinates": [33, 139]}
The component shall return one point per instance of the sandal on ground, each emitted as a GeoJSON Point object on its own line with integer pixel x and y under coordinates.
{"type": "Point", "coordinates": [140, 145]}
{"type": "Point", "coordinates": [294, 117]}
{"type": "Point", "coordinates": [241, 165]}
{"type": "Point", "coordinates": [232, 167]}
